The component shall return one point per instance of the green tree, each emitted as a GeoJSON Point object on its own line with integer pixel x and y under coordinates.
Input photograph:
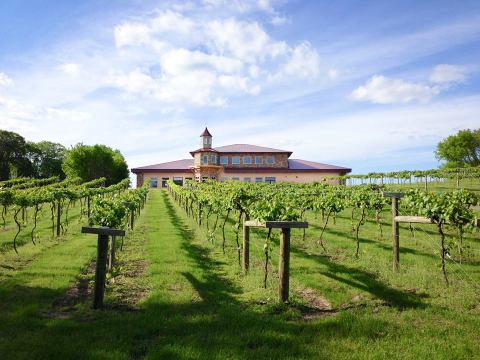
{"type": "Point", "coordinates": [92, 162]}
{"type": "Point", "coordinates": [47, 158]}
{"type": "Point", "coordinates": [13, 156]}
{"type": "Point", "coordinates": [460, 150]}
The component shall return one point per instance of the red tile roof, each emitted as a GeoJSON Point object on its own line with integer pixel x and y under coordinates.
{"type": "Point", "coordinates": [297, 164]}
{"type": "Point", "coordinates": [180, 165]}
{"type": "Point", "coordinates": [206, 133]}
{"type": "Point", "coordinates": [246, 148]}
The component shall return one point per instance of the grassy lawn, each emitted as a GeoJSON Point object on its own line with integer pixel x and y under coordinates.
{"type": "Point", "coordinates": [175, 295]}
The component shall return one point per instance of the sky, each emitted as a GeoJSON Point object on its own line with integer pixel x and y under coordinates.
{"type": "Point", "coordinates": [369, 85]}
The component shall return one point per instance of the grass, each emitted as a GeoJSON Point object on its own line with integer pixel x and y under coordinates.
{"type": "Point", "coordinates": [185, 299]}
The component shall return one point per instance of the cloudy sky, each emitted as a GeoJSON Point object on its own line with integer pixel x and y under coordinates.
{"type": "Point", "coordinates": [372, 85]}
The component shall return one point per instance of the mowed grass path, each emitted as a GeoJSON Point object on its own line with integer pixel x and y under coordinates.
{"type": "Point", "coordinates": [200, 306]}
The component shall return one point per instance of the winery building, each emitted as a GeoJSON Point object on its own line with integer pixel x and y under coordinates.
{"type": "Point", "coordinates": [242, 162]}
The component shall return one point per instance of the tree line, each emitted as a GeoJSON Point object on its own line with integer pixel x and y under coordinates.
{"type": "Point", "coordinates": [45, 159]}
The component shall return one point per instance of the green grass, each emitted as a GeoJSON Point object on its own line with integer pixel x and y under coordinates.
{"type": "Point", "coordinates": [199, 305]}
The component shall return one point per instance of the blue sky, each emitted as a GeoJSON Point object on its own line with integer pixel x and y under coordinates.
{"type": "Point", "coordinates": [372, 85]}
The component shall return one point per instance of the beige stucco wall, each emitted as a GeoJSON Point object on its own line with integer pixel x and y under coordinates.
{"type": "Point", "coordinates": [159, 176]}
{"type": "Point", "coordinates": [298, 177]}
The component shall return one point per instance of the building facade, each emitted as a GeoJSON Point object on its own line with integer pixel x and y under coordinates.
{"type": "Point", "coordinates": [242, 162]}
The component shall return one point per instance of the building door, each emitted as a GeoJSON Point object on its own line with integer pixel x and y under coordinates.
{"type": "Point", "coordinates": [164, 182]}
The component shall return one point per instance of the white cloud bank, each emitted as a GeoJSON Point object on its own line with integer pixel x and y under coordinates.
{"type": "Point", "coordinates": [384, 90]}
{"type": "Point", "coordinates": [206, 62]}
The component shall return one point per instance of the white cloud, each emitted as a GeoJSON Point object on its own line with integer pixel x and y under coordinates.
{"type": "Point", "coordinates": [178, 61]}
{"type": "Point", "coordinates": [445, 74]}
{"type": "Point", "coordinates": [135, 82]}
{"type": "Point", "coordinates": [246, 41]}
{"type": "Point", "coordinates": [145, 32]}
{"type": "Point", "coordinates": [221, 58]}
{"type": "Point", "coordinates": [278, 20]}
{"type": "Point", "coordinates": [383, 90]}
{"type": "Point", "coordinates": [71, 69]}
{"type": "Point", "coordinates": [304, 62]}
{"type": "Point", "coordinates": [5, 80]}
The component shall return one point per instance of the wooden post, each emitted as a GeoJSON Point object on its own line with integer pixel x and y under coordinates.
{"type": "Point", "coordinates": [246, 245]}
{"type": "Point", "coordinates": [284, 265]}
{"type": "Point", "coordinates": [100, 271]}
{"type": "Point", "coordinates": [88, 206]}
{"type": "Point", "coordinates": [395, 234]}
{"type": "Point", "coordinates": [132, 219]}
{"type": "Point", "coordinates": [59, 212]}
{"type": "Point", "coordinates": [111, 257]}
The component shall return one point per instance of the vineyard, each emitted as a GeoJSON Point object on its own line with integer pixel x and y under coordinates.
{"type": "Point", "coordinates": [181, 288]}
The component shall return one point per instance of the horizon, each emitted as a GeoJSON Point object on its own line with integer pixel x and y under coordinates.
{"type": "Point", "coordinates": [369, 86]}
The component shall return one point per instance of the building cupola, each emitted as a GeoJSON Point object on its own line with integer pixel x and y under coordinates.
{"type": "Point", "coordinates": [206, 139]}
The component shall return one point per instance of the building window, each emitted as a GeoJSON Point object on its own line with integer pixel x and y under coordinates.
{"type": "Point", "coordinates": [223, 179]}
{"type": "Point", "coordinates": [205, 159]}
{"type": "Point", "coordinates": [235, 160]}
{"type": "Point", "coordinates": [178, 180]}
{"type": "Point", "coordinates": [207, 141]}
{"type": "Point", "coordinates": [164, 182]}
{"type": "Point", "coordinates": [258, 179]}
{"type": "Point", "coordinates": [258, 160]}
{"type": "Point", "coordinates": [204, 178]}
{"type": "Point", "coordinates": [247, 160]}
{"type": "Point", "coordinates": [270, 160]}
{"type": "Point", "coordinates": [214, 159]}
{"type": "Point", "coordinates": [270, 180]}
{"type": "Point", "coordinates": [247, 179]}
{"type": "Point", "coordinates": [188, 178]}
{"type": "Point", "coordinates": [235, 178]}
{"type": "Point", "coordinates": [153, 182]}
{"type": "Point", "coordinates": [224, 160]}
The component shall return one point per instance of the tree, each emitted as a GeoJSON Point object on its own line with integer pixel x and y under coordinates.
{"type": "Point", "coordinates": [47, 158]}
{"type": "Point", "coordinates": [13, 155]}
{"type": "Point", "coordinates": [461, 149]}
{"type": "Point", "coordinates": [91, 162]}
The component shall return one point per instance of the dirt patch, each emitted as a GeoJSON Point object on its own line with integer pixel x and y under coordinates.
{"type": "Point", "coordinates": [80, 292]}
{"type": "Point", "coordinates": [317, 306]}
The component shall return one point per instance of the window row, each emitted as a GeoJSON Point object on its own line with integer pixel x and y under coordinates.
{"type": "Point", "coordinates": [179, 180]}
{"type": "Point", "coordinates": [235, 160]}
{"type": "Point", "coordinates": [176, 179]}
{"type": "Point", "coordinates": [268, 179]}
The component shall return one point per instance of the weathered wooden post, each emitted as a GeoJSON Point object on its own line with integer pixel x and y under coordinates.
{"type": "Point", "coordinates": [284, 265]}
{"type": "Point", "coordinates": [132, 219]}
{"type": "Point", "coordinates": [59, 219]}
{"type": "Point", "coordinates": [101, 265]}
{"type": "Point", "coordinates": [100, 271]}
{"type": "Point", "coordinates": [246, 245]}
{"type": "Point", "coordinates": [395, 228]}
{"type": "Point", "coordinates": [284, 256]}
